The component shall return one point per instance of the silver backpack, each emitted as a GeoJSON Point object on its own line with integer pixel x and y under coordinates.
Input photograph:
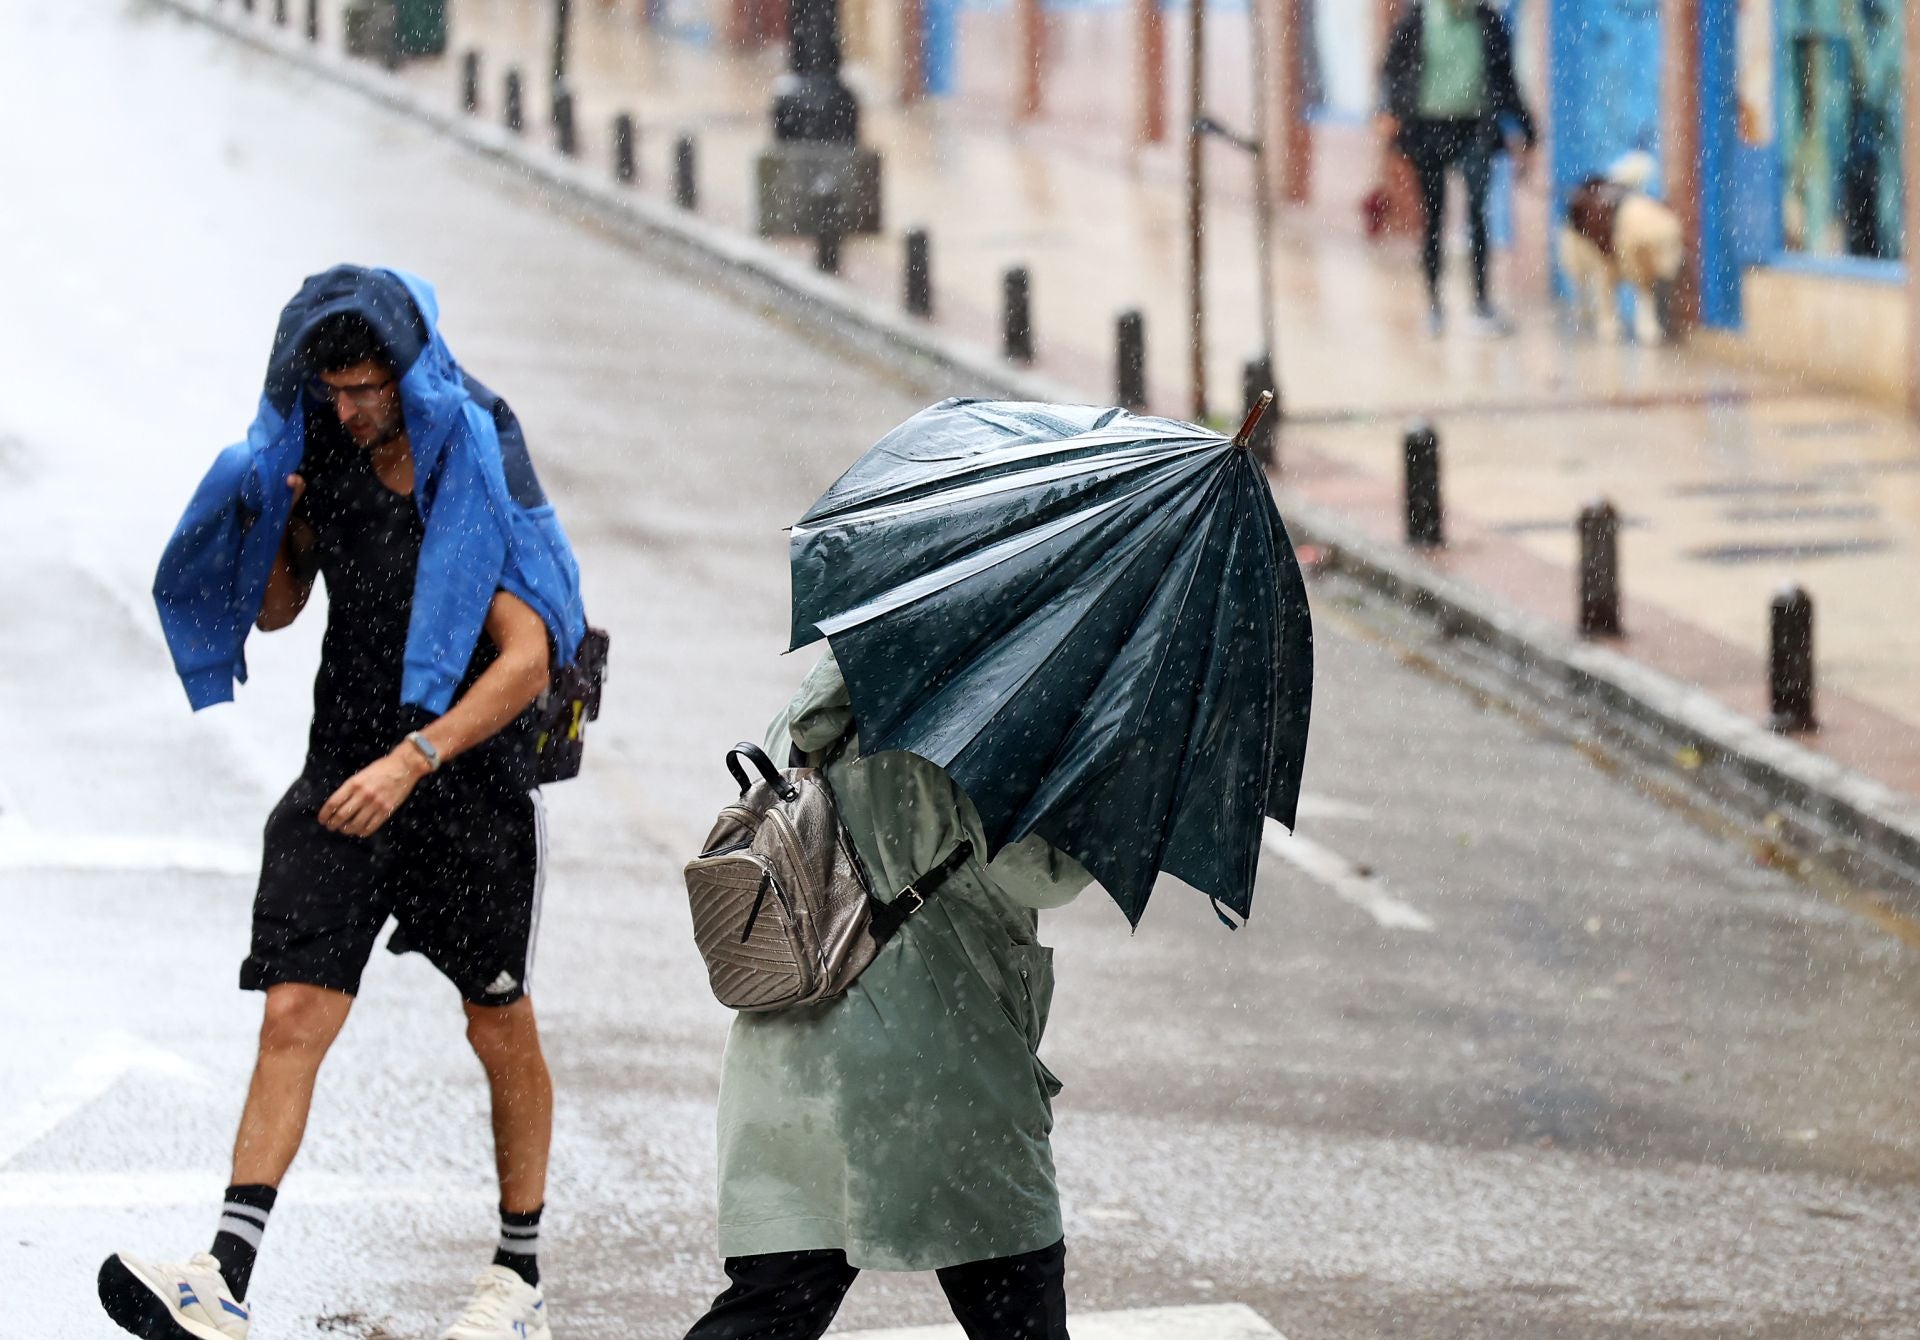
{"type": "Point", "coordinates": [783, 910]}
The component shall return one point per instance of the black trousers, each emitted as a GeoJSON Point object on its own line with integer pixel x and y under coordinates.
{"type": "Point", "coordinates": [793, 1296]}
{"type": "Point", "coordinates": [1433, 147]}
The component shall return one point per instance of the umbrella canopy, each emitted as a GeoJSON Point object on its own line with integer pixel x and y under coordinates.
{"type": "Point", "coordinates": [1092, 620]}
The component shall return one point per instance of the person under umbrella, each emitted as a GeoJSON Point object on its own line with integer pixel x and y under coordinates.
{"type": "Point", "coordinates": [1078, 640]}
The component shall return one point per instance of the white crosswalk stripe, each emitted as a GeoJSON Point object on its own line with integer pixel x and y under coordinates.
{"type": "Point", "coordinates": [1208, 1321]}
{"type": "Point", "coordinates": [1347, 881]}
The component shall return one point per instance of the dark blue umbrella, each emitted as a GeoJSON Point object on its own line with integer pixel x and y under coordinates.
{"type": "Point", "coordinates": [1091, 619]}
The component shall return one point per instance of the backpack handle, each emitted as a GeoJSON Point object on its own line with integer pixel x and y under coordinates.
{"type": "Point", "coordinates": [757, 756]}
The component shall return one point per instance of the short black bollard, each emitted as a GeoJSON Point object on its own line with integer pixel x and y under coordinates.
{"type": "Point", "coordinates": [566, 137]}
{"type": "Point", "coordinates": [1790, 667]}
{"type": "Point", "coordinates": [470, 81]}
{"type": "Point", "coordinates": [824, 205]}
{"type": "Point", "coordinates": [1130, 359]}
{"type": "Point", "coordinates": [1426, 526]}
{"type": "Point", "coordinates": [247, 5]}
{"type": "Point", "coordinates": [1256, 375]}
{"type": "Point", "coordinates": [626, 161]}
{"type": "Point", "coordinates": [1016, 292]}
{"type": "Point", "coordinates": [1599, 528]}
{"type": "Point", "coordinates": [313, 20]}
{"type": "Point", "coordinates": [280, 14]}
{"type": "Point", "coordinates": [686, 186]}
{"type": "Point", "coordinates": [516, 116]}
{"type": "Point", "coordinates": [919, 296]}
{"type": "Point", "coordinates": [826, 247]}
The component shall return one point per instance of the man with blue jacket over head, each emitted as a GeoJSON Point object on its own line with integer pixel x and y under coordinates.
{"type": "Point", "coordinates": [376, 463]}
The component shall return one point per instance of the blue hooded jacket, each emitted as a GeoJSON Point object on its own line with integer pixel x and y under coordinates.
{"type": "Point", "coordinates": [488, 525]}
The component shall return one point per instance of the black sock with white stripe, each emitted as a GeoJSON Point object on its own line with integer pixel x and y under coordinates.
{"type": "Point", "coordinates": [242, 1222]}
{"type": "Point", "coordinates": [520, 1243]}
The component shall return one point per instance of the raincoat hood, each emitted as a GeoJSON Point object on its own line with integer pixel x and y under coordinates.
{"type": "Point", "coordinates": [488, 524]}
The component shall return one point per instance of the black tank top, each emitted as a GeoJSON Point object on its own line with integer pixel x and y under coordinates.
{"type": "Point", "coordinates": [367, 545]}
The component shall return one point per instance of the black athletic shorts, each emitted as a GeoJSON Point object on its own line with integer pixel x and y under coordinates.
{"type": "Point", "coordinates": [459, 866]}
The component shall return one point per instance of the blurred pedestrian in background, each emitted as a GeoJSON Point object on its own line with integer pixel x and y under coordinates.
{"type": "Point", "coordinates": [1452, 102]}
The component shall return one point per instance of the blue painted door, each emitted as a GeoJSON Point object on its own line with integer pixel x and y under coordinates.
{"type": "Point", "coordinates": [1605, 84]}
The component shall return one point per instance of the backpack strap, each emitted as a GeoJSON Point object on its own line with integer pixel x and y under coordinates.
{"type": "Point", "coordinates": [755, 755]}
{"type": "Point", "coordinates": [887, 918]}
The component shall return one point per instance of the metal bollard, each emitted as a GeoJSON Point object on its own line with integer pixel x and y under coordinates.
{"type": "Point", "coordinates": [247, 5]}
{"type": "Point", "coordinates": [1426, 525]}
{"type": "Point", "coordinates": [313, 20]}
{"type": "Point", "coordinates": [470, 81]}
{"type": "Point", "coordinates": [626, 161]}
{"type": "Point", "coordinates": [566, 136]}
{"type": "Point", "coordinates": [826, 248]}
{"type": "Point", "coordinates": [1256, 376]}
{"type": "Point", "coordinates": [280, 15]}
{"type": "Point", "coordinates": [824, 205]}
{"type": "Point", "coordinates": [1016, 293]}
{"type": "Point", "coordinates": [1130, 359]}
{"type": "Point", "coordinates": [1599, 528]}
{"type": "Point", "coordinates": [515, 114]}
{"type": "Point", "coordinates": [686, 192]}
{"type": "Point", "coordinates": [1790, 667]}
{"type": "Point", "coordinates": [919, 273]}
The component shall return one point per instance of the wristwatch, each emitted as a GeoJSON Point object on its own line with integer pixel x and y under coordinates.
{"type": "Point", "coordinates": [425, 746]}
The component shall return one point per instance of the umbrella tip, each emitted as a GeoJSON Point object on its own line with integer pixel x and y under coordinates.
{"type": "Point", "coordinates": [1245, 436]}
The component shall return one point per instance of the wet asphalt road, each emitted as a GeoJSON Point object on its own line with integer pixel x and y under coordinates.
{"type": "Point", "coordinates": [1612, 1077]}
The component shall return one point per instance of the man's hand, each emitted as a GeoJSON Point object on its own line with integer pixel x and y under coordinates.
{"type": "Point", "coordinates": [368, 799]}
{"type": "Point", "coordinates": [1388, 128]}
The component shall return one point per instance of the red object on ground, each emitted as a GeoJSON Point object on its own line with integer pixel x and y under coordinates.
{"type": "Point", "coordinates": [1375, 207]}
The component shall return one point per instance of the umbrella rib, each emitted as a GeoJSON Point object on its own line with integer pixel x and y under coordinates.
{"type": "Point", "coordinates": [1027, 678]}
{"type": "Point", "coordinates": [970, 565]}
{"type": "Point", "coordinates": [1159, 667]}
{"type": "Point", "coordinates": [943, 492]}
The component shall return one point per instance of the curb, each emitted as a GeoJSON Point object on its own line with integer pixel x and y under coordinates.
{"type": "Point", "coordinates": [1872, 829]}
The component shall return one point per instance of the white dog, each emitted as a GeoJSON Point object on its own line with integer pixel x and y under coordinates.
{"type": "Point", "coordinates": [1613, 232]}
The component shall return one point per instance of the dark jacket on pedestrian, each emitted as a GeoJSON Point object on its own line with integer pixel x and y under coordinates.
{"type": "Point", "coordinates": [1402, 72]}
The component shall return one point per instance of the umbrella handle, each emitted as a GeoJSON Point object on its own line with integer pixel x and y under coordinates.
{"type": "Point", "coordinates": [757, 756]}
{"type": "Point", "coordinates": [1254, 415]}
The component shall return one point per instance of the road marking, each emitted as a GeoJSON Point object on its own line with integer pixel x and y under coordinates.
{"type": "Point", "coordinates": [22, 848]}
{"type": "Point", "coordinates": [1211, 1321]}
{"type": "Point", "coordinates": [1326, 807]}
{"type": "Point", "coordinates": [1347, 880]}
{"type": "Point", "coordinates": [83, 1081]}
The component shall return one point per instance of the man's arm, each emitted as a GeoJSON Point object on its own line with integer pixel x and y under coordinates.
{"type": "Point", "coordinates": [290, 582]}
{"type": "Point", "coordinates": [518, 676]}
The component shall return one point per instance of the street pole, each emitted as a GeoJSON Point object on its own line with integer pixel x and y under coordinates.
{"type": "Point", "coordinates": [815, 166]}
{"type": "Point", "coordinates": [1263, 200]}
{"type": "Point", "coordinates": [1196, 204]}
{"type": "Point", "coordinates": [562, 21]}
{"type": "Point", "coordinates": [811, 102]}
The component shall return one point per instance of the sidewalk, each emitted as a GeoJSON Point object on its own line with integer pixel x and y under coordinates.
{"type": "Point", "coordinates": [1732, 483]}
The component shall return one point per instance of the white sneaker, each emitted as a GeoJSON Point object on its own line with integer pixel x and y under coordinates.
{"type": "Point", "coordinates": [166, 1302]}
{"type": "Point", "coordinates": [504, 1307]}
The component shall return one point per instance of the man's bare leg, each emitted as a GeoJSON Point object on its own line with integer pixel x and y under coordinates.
{"type": "Point", "coordinates": [298, 1026]}
{"type": "Point", "coordinates": [506, 1038]}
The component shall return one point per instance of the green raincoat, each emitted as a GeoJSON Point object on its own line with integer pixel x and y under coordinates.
{"type": "Point", "coordinates": [905, 1123]}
